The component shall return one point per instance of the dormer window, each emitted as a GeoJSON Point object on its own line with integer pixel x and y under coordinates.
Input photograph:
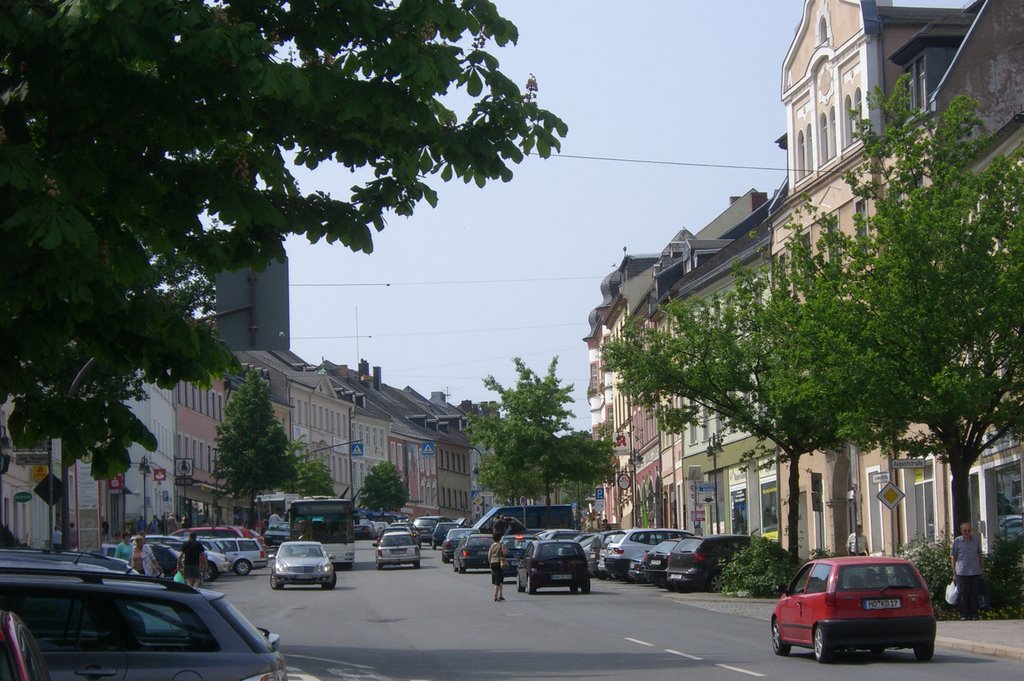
{"type": "Point", "coordinates": [822, 31]}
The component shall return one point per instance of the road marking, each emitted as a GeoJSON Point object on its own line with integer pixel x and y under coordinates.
{"type": "Point", "coordinates": [686, 655]}
{"type": "Point", "coordinates": [332, 661]}
{"type": "Point", "coordinates": [737, 669]}
{"type": "Point", "coordinates": [643, 643]}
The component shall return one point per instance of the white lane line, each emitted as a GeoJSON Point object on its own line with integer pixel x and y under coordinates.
{"type": "Point", "coordinates": [737, 669]}
{"type": "Point", "coordinates": [643, 643]}
{"type": "Point", "coordinates": [686, 655]}
{"type": "Point", "coordinates": [329, 660]}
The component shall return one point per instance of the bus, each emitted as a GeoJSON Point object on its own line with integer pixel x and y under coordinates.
{"type": "Point", "coordinates": [538, 517]}
{"type": "Point", "coordinates": [328, 521]}
{"type": "Point", "coordinates": [271, 503]}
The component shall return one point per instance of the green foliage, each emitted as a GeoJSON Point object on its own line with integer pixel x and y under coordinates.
{"type": "Point", "coordinates": [383, 488]}
{"type": "Point", "coordinates": [932, 561]}
{"type": "Point", "coordinates": [312, 475]}
{"type": "Point", "coordinates": [136, 135]}
{"type": "Point", "coordinates": [534, 450]}
{"type": "Point", "coordinates": [1004, 574]}
{"type": "Point", "coordinates": [760, 570]}
{"type": "Point", "coordinates": [253, 449]}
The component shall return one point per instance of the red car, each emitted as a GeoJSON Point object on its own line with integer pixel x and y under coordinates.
{"type": "Point", "coordinates": [855, 603]}
{"type": "Point", "coordinates": [21, 659]}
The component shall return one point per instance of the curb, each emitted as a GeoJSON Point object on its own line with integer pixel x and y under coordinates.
{"type": "Point", "coordinates": [987, 649]}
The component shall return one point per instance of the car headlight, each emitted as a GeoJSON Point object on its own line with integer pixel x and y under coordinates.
{"type": "Point", "coordinates": [327, 568]}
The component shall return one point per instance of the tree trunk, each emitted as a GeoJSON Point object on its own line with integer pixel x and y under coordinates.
{"type": "Point", "coordinates": [959, 485]}
{"type": "Point", "coordinates": [793, 512]}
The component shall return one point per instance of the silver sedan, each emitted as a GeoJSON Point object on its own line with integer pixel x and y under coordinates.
{"type": "Point", "coordinates": [302, 562]}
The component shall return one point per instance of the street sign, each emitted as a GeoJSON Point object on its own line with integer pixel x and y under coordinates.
{"type": "Point", "coordinates": [880, 478]}
{"type": "Point", "coordinates": [184, 480]}
{"type": "Point", "coordinates": [428, 448]}
{"type": "Point", "coordinates": [116, 482]}
{"type": "Point", "coordinates": [23, 497]}
{"type": "Point", "coordinates": [31, 457]}
{"type": "Point", "coordinates": [39, 472]}
{"type": "Point", "coordinates": [182, 468]}
{"type": "Point", "coordinates": [908, 463]}
{"type": "Point", "coordinates": [599, 493]}
{"type": "Point", "coordinates": [356, 448]}
{"type": "Point", "coordinates": [697, 515]}
{"type": "Point", "coordinates": [159, 474]}
{"type": "Point", "coordinates": [522, 501]}
{"type": "Point", "coordinates": [890, 495]}
{"type": "Point", "coordinates": [474, 493]}
{"type": "Point", "coordinates": [623, 481]}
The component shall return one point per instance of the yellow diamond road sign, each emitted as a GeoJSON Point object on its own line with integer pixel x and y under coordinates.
{"type": "Point", "coordinates": [890, 495]}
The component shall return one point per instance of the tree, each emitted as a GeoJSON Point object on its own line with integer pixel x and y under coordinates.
{"type": "Point", "coordinates": [252, 447]}
{"type": "Point", "coordinates": [534, 448]}
{"type": "Point", "coordinates": [744, 354]}
{"type": "Point", "coordinates": [925, 311]}
{"type": "Point", "coordinates": [132, 133]}
{"type": "Point", "coordinates": [383, 488]}
{"type": "Point", "coordinates": [312, 476]}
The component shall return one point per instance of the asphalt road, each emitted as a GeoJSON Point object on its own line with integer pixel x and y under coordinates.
{"type": "Point", "coordinates": [433, 624]}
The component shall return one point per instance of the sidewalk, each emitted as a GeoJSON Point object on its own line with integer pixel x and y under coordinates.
{"type": "Point", "coordinates": [994, 638]}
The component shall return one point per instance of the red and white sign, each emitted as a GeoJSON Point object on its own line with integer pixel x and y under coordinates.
{"type": "Point", "coordinates": [116, 482]}
{"type": "Point", "coordinates": [159, 474]}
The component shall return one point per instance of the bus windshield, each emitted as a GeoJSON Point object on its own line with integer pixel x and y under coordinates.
{"type": "Point", "coordinates": [328, 521]}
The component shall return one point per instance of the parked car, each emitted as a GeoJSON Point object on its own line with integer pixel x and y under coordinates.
{"type": "Point", "coordinates": [471, 553]}
{"type": "Point", "coordinates": [451, 540]}
{"type": "Point", "coordinates": [302, 562]}
{"type": "Point", "coordinates": [595, 553]}
{"type": "Point", "coordinates": [514, 546]}
{"type": "Point", "coordinates": [243, 554]}
{"type": "Point", "coordinates": [172, 540]}
{"type": "Point", "coordinates": [362, 529]}
{"type": "Point", "coordinates": [20, 657]}
{"type": "Point", "coordinates": [398, 548]}
{"type": "Point", "coordinates": [559, 534]}
{"type": "Point", "coordinates": [132, 627]}
{"type": "Point", "coordinates": [655, 562]}
{"type": "Point", "coordinates": [697, 562]}
{"type": "Point", "coordinates": [98, 559]}
{"type": "Point", "coordinates": [376, 527]}
{"type": "Point", "coordinates": [553, 563]}
{"type": "Point", "coordinates": [217, 562]}
{"type": "Point", "coordinates": [855, 603]}
{"type": "Point", "coordinates": [621, 552]}
{"type": "Point", "coordinates": [401, 526]}
{"type": "Point", "coordinates": [218, 531]}
{"type": "Point", "coordinates": [276, 534]}
{"type": "Point", "coordinates": [439, 533]}
{"type": "Point", "coordinates": [425, 525]}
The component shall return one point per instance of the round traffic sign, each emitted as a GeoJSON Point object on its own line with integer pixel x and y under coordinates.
{"type": "Point", "coordinates": [522, 501]}
{"type": "Point", "coordinates": [624, 481]}
{"type": "Point", "coordinates": [22, 497]}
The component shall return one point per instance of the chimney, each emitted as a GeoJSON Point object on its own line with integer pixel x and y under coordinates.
{"type": "Point", "coordinates": [376, 378]}
{"type": "Point", "coordinates": [438, 396]}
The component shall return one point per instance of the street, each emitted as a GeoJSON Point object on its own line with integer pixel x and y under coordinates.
{"type": "Point", "coordinates": [432, 624]}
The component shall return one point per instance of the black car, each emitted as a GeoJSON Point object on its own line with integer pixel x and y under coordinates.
{"type": "Point", "coordinates": [71, 557]}
{"type": "Point", "coordinates": [471, 553]}
{"type": "Point", "coordinates": [451, 540]}
{"type": "Point", "coordinates": [99, 624]}
{"type": "Point", "coordinates": [696, 563]}
{"type": "Point", "coordinates": [553, 563]}
{"type": "Point", "coordinates": [514, 546]}
{"type": "Point", "coordinates": [655, 563]}
{"type": "Point", "coordinates": [439, 533]}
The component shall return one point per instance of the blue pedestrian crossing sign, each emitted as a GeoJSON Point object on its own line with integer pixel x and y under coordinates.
{"type": "Point", "coordinates": [428, 448]}
{"type": "Point", "coordinates": [356, 449]}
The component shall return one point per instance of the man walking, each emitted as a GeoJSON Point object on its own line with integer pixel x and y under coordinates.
{"type": "Point", "coordinates": [193, 560]}
{"type": "Point", "coordinates": [968, 568]}
{"type": "Point", "coordinates": [857, 543]}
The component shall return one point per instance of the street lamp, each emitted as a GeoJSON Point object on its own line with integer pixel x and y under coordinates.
{"type": "Point", "coordinates": [144, 471]}
{"type": "Point", "coordinates": [5, 462]}
{"type": "Point", "coordinates": [714, 446]}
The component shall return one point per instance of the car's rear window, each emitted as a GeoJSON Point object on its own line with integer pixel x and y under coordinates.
{"type": "Point", "coordinates": [880, 576]}
{"type": "Point", "coordinates": [396, 539]}
{"type": "Point", "coordinates": [688, 545]}
{"type": "Point", "coordinates": [479, 541]}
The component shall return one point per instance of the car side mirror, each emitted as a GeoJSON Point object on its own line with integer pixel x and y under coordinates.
{"type": "Point", "coordinates": [331, 556]}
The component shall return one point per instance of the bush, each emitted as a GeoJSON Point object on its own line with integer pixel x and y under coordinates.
{"type": "Point", "coordinates": [932, 561]}
{"type": "Point", "coordinates": [1004, 573]}
{"type": "Point", "coordinates": [760, 570]}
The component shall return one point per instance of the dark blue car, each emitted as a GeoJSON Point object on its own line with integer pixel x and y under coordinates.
{"type": "Point", "coordinates": [514, 546]}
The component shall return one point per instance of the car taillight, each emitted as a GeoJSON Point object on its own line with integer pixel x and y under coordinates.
{"type": "Point", "coordinates": [465, 553]}
{"type": "Point", "coordinates": [699, 557]}
{"type": "Point", "coordinates": [617, 551]}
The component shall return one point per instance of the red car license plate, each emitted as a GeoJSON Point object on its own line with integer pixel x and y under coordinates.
{"type": "Point", "coordinates": [881, 603]}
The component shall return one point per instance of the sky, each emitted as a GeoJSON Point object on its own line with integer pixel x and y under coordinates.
{"type": "Point", "coordinates": [673, 106]}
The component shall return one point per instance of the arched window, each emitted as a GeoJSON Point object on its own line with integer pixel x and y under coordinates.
{"type": "Point", "coordinates": [857, 106]}
{"type": "Point", "coordinates": [822, 31]}
{"type": "Point", "coordinates": [823, 139]}
{"type": "Point", "coordinates": [810, 150]}
{"type": "Point", "coordinates": [832, 146]}
{"type": "Point", "coordinates": [848, 122]}
{"type": "Point", "coordinates": [801, 155]}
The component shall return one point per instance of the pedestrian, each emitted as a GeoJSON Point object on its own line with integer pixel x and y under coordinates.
{"type": "Point", "coordinates": [192, 560]}
{"type": "Point", "coordinates": [56, 539]}
{"type": "Point", "coordinates": [154, 525]}
{"type": "Point", "coordinates": [72, 542]}
{"type": "Point", "coordinates": [496, 559]}
{"type": "Point", "coordinates": [124, 548]}
{"type": "Point", "coordinates": [143, 559]}
{"type": "Point", "coordinates": [105, 527]}
{"type": "Point", "coordinates": [498, 531]}
{"type": "Point", "coordinates": [172, 524]}
{"type": "Point", "coordinates": [968, 568]}
{"type": "Point", "coordinates": [140, 524]}
{"type": "Point", "coordinates": [185, 522]}
{"type": "Point", "coordinates": [857, 543]}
